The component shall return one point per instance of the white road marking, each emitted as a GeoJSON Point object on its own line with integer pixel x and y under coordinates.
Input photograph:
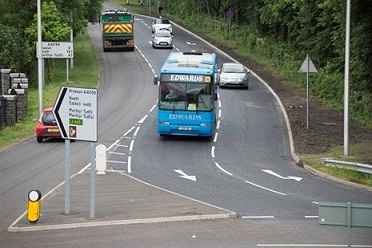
{"type": "Point", "coordinates": [212, 151]}
{"type": "Point", "coordinates": [184, 175]}
{"type": "Point", "coordinates": [117, 153]}
{"type": "Point", "coordinates": [131, 145]}
{"type": "Point", "coordinates": [130, 130]}
{"type": "Point", "coordinates": [281, 177]}
{"type": "Point", "coordinates": [215, 137]}
{"type": "Point", "coordinates": [129, 164]}
{"type": "Point", "coordinates": [258, 186]}
{"type": "Point", "coordinates": [115, 162]}
{"type": "Point", "coordinates": [135, 133]}
{"type": "Point", "coordinates": [125, 146]}
{"type": "Point", "coordinates": [218, 124]}
{"type": "Point", "coordinates": [258, 217]}
{"type": "Point", "coordinates": [190, 44]}
{"type": "Point", "coordinates": [142, 120]}
{"type": "Point", "coordinates": [222, 169]}
{"type": "Point", "coordinates": [152, 109]}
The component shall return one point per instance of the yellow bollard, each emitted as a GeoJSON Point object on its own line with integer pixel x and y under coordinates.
{"type": "Point", "coordinates": [33, 209]}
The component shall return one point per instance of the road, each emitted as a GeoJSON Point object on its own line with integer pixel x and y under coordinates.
{"type": "Point", "coordinates": [247, 168]}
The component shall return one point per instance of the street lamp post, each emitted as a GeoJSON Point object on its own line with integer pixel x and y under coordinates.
{"type": "Point", "coordinates": [39, 58]}
{"type": "Point", "coordinates": [346, 83]}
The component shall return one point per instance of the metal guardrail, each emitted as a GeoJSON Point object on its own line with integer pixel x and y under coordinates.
{"type": "Point", "coordinates": [366, 168]}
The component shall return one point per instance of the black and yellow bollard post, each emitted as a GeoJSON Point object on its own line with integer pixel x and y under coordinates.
{"type": "Point", "coordinates": [33, 208]}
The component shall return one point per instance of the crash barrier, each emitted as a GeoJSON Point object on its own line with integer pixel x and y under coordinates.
{"type": "Point", "coordinates": [365, 168]}
{"type": "Point", "coordinates": [13, 97]}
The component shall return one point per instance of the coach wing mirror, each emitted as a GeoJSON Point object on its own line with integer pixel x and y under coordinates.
{"type": "Point", "coordinates": [156, 81]}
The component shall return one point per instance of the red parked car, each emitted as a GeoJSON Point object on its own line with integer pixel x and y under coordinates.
{"type": "Point", "coordinates": [47, 126]}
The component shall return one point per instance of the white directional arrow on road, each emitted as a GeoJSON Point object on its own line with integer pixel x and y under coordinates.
{"type": "Point", "coordinates": [277, 175]}
{"type": "Point", "coordinates": [184, 175]}
{"type": "Point", "coordinates": [190, 44]}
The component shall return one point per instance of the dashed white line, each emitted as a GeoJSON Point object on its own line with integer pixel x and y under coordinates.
{"type": "Point", "coordinates": [212, 151]}
{"type": "Point", "coordinates": [311, 217]}
{"type": "Point", "coordinates": [131, 145]}
{"type": "Point", "coordinates": [215, 137]}
{"type": "Point", "coordinates": [152, 109]}
{"type": "Point", "coordinates": [258, 217]}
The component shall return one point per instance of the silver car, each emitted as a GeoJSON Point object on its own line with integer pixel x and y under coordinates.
{"type": "Point", "coordinates": [162, 38]}
{"type": "Point", "coordinates": [234, 74]}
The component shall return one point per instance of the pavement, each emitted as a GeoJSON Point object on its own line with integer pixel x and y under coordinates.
{"type": "Point", "coordinates": [119, 200]}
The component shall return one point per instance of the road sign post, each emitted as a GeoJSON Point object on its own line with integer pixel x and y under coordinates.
{"type": "Point", "coordinates": [230, 14]}
{"type": "Point", "coordinates": [307, 66]}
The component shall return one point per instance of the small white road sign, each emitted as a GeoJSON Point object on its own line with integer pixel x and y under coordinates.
{"type": "Point", "coordinates": [59, 50]}
{"type": "Point", "coordinates": [307, 66]}
{"type": "Point", "coordinates": [75, 111]}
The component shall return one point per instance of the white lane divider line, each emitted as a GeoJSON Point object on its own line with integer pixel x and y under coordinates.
{"type": "Point", "coordinates": [215, 137]}
{"type": "Point", "coordinates": [212, 151]}
{"type": "Point", "coordinates": [258, 217]}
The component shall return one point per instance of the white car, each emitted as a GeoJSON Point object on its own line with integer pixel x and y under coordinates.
{"type": "Point", "coordinates": [161, 23]}
{"type": "Point", "coordinates": [162, 38]}
{"type": "Point", "coordinates": [233, 74]}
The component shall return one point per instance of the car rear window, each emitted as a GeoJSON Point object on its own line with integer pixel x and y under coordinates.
{"type": "Point", "coordinates": [162, 21]}
{"type": "Point", "coordinates": [233, 68]}
{"type": "Point", "coordinates": [48, 118]}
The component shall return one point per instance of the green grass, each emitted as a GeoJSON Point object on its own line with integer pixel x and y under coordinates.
{"type": "Point", "coordinates": [83, 74]}
{"type": "Point", "coordinates": [359, 153]}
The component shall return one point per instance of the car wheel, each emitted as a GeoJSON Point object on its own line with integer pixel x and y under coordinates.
{"type": "Point", "coordinates": [39, 139]}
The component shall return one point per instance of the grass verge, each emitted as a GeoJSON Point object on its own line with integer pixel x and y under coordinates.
{"type": "Point", "coordinates": [84, 73]}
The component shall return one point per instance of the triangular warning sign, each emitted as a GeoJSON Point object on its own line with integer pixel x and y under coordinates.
{"type": "Point", "coordinates": [307, 66]}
